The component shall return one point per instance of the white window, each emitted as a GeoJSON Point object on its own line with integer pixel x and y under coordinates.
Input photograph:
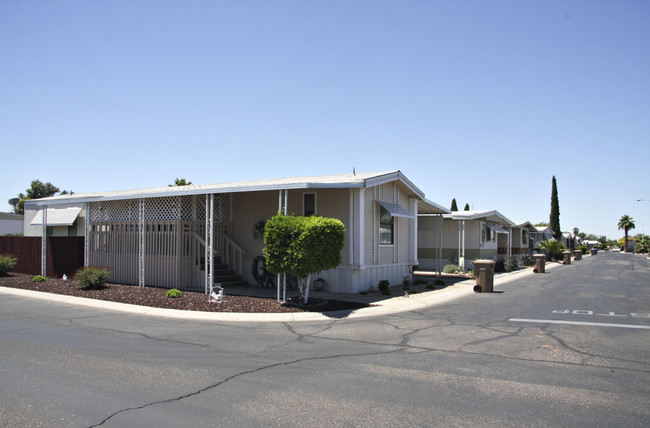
{"type": "Point", "coordinates": [386, 226]}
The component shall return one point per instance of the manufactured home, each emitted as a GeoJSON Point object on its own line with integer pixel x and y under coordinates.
{"type": "Point", "coordinates": [183, 236]}
{"type": "Point", "coordinates": [466, 236]}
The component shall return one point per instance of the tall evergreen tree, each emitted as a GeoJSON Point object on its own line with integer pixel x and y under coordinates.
{"type": "Point", "coordinates": [466, 207]}
{"type": "Point", "coordinates": [554, 220]}
{"type": "Point", "coordinates": [454, 207]}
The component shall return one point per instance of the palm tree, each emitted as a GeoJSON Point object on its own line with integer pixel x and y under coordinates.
{"type": "Point", "coordinates": [180, 182]}
{"type": "Point", "coordinates": [626, 222]}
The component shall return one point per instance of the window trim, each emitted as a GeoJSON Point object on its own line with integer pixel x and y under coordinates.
{"type": "Point", "coordinates": [392, 227]}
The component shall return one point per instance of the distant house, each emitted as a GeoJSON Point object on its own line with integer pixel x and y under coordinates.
{"type": "Point", "coordinates": [183, 236]}
{"type": "Point", "coordinates": [521, 241]}
{"type": "Point", "coordinates": [466, 235]}
{"type": "Point", "coordinates": [540, 233]}
{"type": "Point", "coordinates": [11, 224]}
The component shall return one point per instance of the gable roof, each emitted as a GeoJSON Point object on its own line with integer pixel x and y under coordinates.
{"type": "Point", "coordinates": [340, 181]}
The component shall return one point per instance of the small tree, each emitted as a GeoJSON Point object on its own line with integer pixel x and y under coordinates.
{"type": "Point", "coordinates": [626, 222]}
{"type": "Point", "coordinates": [466, 207]}
{"type": "Point", "coordinates": [37, 190]}
{"type": "Point", "coordinates": [302, 246]}
{"type": "Point", "coordinates": [454, 206]}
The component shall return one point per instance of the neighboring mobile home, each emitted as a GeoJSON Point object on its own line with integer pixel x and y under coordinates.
{"type": "Point", "coordinates": [466, 235]}
{"type": "Point", "coordinates": [11, 224]}
{"type": "Point", "coordinates": [520, 239]}
{"type": "Point", "coordinates": [177, 236]}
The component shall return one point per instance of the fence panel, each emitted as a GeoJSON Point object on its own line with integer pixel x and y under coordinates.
{"type": "Point", "coordinates": [64, 254]}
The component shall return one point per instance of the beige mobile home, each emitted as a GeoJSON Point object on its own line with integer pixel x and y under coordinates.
{"type": "Point", "coordinates": [177, 236]}
{"type": "Point", "coordinates": [466, 235]}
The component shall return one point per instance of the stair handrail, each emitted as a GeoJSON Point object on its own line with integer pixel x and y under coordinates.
{"type": "Point", "coordinates": [233, 253]}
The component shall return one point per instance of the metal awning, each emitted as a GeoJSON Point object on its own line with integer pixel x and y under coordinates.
{"type": "Point", "coordinates": [395, 210]}
{"type": "Point", "coordinates": [497, 229]}
{"type": "Point", "coordinates": [58, 216]}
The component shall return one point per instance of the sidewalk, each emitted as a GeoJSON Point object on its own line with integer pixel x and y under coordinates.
{"type": "Point", "coordinates": [382, 305]}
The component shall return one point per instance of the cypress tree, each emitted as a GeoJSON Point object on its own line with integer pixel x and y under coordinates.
{"type": "Point", "coordinates": [554, 220]}
{"type": "Point", "coordinates": [454, 207]}
{"type": "Point", "coordinates": [466, 207]}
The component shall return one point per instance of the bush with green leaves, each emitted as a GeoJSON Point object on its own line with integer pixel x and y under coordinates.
{"type": "Point", "coordinates": [553, 249]}
{"type": "Point", "coordinates": [92, 277]}
{"type": "Point", "coordinates": [174, 293]}
{"type": "Point", "coordinates": [6, 264]}
{"type": "Point", "coordinates": [451, 268]}
{"type": "Point", "coordinates": [302, 246]}
{"type": "Point", "coordinates": [384, 287]}
{"type": "Point", "coordinates": [438, 282]}
{"type": "Point", "coordinates": [511, 264]}
{"type": "Point", "coordinates": [500, 264]}
{"type": "Point", "coordinates": [431, 287]}
{"type": "Point", "coordinates": [526, 260]}
{"type": "Point", "coordinates": [642, 244]}
{"type": "Point", "coordinates": [38, 278]}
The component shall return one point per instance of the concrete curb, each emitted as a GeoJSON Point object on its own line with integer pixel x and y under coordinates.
{"type": "Point", "coordinates": [386, 307]}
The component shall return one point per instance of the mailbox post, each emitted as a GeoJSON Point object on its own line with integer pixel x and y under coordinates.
{"type": "Point", "coordinates": [567, 257]}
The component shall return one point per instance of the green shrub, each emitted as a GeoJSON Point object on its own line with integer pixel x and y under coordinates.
{"type": "Point", "coordinates": [364, 293]}
{"type": "Point", "coordinates": [553, 249]}
{"type": "Point", "coordinates": [383, 287]}
{"type": "Point", "coordinates": [431, 287]}
{"type": "Point", "coordinates": [642, 244]}
{"type": "Point", "coordinates": [526, 260]}
{"type": "Point", "coordinates": [6, 264]}
{"type": "Point", "coordinates": [511, 264]}
{"type": "Point", "coordinates": [451, 268]}
{"type": "Point", "coordinates": [174, 293]}
{"type": "Point", "coordinates": [38, 278]}
{"type": "Point", "coordinates": [92, 277]}
{"type": "Point", "coordinates": [438, 282]}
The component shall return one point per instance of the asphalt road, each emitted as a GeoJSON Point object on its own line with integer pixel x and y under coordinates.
{"type": "Point", "coordinates": [568, 347]}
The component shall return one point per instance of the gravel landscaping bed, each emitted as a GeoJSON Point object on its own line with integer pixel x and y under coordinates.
{"type": "Point", "coordinates": [190, 300]}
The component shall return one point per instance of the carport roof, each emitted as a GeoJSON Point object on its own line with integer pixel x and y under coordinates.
{"type": "Point", "coordinates": [353, 180]}
{"type": "Point", "coordinates": [493, 216]}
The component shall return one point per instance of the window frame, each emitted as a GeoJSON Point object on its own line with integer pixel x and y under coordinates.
{"type": "Point", "coordinates": [383, 230]}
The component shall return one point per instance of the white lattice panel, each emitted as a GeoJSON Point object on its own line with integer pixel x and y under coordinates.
{"type": "Point", "coordinates": [162, 209]}
{"type": "Point", "coordinates": [126, 210]}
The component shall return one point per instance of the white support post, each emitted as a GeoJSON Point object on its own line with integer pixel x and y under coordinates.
{"type": "Point", "coordinates": [211, 236]}
{"type": "Point", "coordinates": [461, 260]}
{"type": "Point", "coordinates": [44, 243]}
{"type": "Point", "coordinates": [205, 242]}
{"type": "Point", "coordinates": [86, 235]}
{"type": "Point", "coordinates": [141, 244]}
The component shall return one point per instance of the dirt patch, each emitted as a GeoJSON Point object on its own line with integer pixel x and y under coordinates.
{"type": "Point", "coordinates": [190, 300]}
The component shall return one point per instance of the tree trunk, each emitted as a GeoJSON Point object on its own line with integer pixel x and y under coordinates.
{"type": "Point", "coordinates": [303, 288]}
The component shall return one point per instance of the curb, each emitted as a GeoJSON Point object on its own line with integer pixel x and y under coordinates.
{"type": "Point", "coordinates": [387, 307]}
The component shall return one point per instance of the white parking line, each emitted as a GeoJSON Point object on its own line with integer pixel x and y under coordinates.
{"type": "Point", "coordinates": [596, 324]}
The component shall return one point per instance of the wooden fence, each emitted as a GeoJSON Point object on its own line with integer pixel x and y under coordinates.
{"type": "Point", "coordinates": [65, 254]}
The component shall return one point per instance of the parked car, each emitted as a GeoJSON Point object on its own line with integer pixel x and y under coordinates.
{"type": "Point", "coordinates": [616, 250]}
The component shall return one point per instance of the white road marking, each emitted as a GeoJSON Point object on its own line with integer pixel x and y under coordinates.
{"type": "Point", "coordinates": [596, 324]}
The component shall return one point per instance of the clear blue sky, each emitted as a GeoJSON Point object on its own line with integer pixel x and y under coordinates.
{"type": "Point", "coordinates": [483, 101]}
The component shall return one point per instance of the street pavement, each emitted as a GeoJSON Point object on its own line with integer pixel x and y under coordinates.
{"type": "Point", "coordinates": [568, 347]}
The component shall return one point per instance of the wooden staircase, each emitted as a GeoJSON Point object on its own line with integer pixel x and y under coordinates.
{"type": "Point", "coordinates": [226, 276]}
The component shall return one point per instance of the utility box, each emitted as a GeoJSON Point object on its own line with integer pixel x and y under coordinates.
{"type": "Point", "coordinates": [540, 263]}
{"type": "Point", "coordinates": [577, 255]}
{"type": "Point", "coordinates": [567, 257]}
{"type": "Point", "coordinates": [484, 276]}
